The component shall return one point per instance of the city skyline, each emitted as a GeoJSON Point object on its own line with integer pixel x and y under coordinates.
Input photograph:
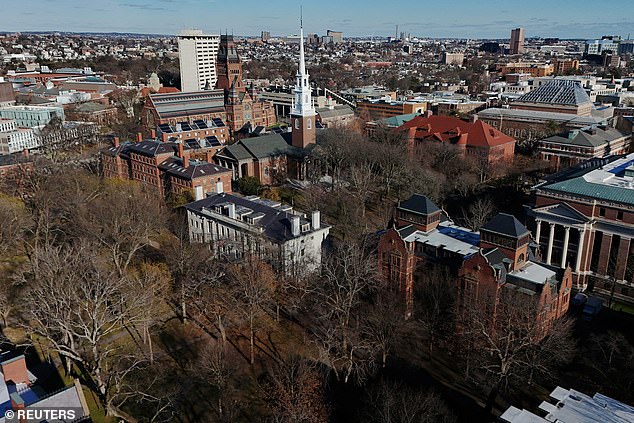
{"type": "Point", "coordinates": [463, 19]}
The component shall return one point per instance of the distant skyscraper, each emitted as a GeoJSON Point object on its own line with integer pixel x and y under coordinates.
{"type": "Point", "coordinates": [303, 111]}
{"type": "Point", "coordinates": [197, 53]}
{"type": "Point", "coordinates": [337, 36]}
{"type": "Point", "coordinates": [517, 41]}
{"type": "Point", "coordinates": [266, 35]}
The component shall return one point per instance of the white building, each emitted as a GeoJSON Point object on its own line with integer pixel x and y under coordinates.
{"type": "Point", "coordinates": [14, 139]}
{"type": "Point", "coordinates": [197, 53]}
{"type": "Point", "coordinates": [234, 225]}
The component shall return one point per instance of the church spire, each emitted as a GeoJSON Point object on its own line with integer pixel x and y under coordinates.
{"type": "Point", "coordinates": [302, 62]}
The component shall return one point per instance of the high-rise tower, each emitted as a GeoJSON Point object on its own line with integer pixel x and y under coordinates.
{"type": "Point", "coordinates": [197, 53]}
{"type": "Point", "coordinates": [303, 111]}
{"type": "Point", "coordinates": [517, 41]}
{"type": "Point", "coordinates": [229, 66]}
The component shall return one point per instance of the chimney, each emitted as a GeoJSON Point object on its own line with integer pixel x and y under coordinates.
{"type": "Point", "coordinates": [294, 219]}
{"type": "Point", "coordinates": [139, 137]}
{"type": "Point", "coordinates": [411, 140]}
{"type": "Point", "coordinates": [219, 187]}
{"type": "Point", "coordinates": [231, 210]}
{"type": "Point", "coordinates": [25, 153]}
{"type": "Point", "coordinates": [181, 150]}
{"type": "Point", "coordinates": [153, 134]}
{"type": "Point", "coordinates": [116, 142]}
{"type": "Point", "coordinates": [165, 137]}
{"type": "Point", "coordinates": [315, 223]}
{"type": "Point", "coordinates": [209, 157]}
{"type": "Point", "coordinates": [428, 113]}
{"type": "Point", "coordinates": [185, 161]}
{"type": "Point", "coordinates": [198, 191]}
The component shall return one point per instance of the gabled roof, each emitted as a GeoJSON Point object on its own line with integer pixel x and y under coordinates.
{"type": "Point", "coordinates": [196, 168]}
{"type": "Point", "coordinates": [559, 91]}
{"type": "Point", "coordinates": [270, 145]}
{"type": "Point", "coordinates": [419, 204]}
{"type": "Point", "coordinates": [153, 148]}
{"type": "Point", "coordinates": [588, 137]}
{"type": "Point", "coordinates": [505, 224]}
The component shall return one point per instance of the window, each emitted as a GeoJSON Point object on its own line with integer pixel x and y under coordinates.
{"type": "Point", "coordinates": [296, 123]}
{"type": "Point", "coordinates": [310, 125]}
{"type": "Point", "coordinates": [601, 211]}
{"type": "Point", "coordinates": [619, 215]}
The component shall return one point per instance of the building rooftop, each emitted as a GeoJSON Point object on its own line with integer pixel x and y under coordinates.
{"type": "Point", "coordinates": [606, 179]}
{"type": "Point", "coordinates": [419, 204]}
{"type": "Point", "coordinates": [574, 407]}
{"type": "Point", "coordinates": [590, 136]}
{"type": "Point", "coordinates": [505, 224]}
{"type": "Point", "coordinates": [184, 104]}
{"type": "Point", "coordinates": [447, 236]}
{"type": "Point", "coordinates": [267, 217]}
{"type": "Point", "coordinates": [559, 91]}
{"type": "Point", "coordinates": [539, 116]}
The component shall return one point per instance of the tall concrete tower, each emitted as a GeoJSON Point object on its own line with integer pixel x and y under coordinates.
{"type": "Point", "coordinates": [517, 41]}
{"type": "Point", "coordinates": [303, 111]}
{"type": "Point", "coordinates": [198, 54]}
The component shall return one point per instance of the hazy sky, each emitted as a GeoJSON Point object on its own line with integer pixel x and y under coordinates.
{"type": "Point", "coordinates": [427, 18]}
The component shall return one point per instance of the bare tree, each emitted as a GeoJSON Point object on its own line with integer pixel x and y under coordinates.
{"type": "Point", "coordinates": [391, 402]}
{"type": "Point", "coordinates": [479, 213]}
{"type": "Point", "coordinates": [123, 219]}
{"type": "Point", "coordinates": [252, 283]}
{"type": "Point", "coordinates": [294, 391]}
{"type": "Point", "coordinates": [80, 307]}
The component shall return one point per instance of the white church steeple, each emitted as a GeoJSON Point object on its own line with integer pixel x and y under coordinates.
{"type": "Point", "coordinates": [303, 113]}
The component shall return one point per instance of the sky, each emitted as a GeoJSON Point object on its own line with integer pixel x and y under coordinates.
{"type": "Point", "coordinates": [423, 18]}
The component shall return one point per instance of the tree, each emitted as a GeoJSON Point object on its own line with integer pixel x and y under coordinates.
{"type": "Point", "coordinates": [252, 283]}
{"type": "Point", "coordinates": [392, 402]}
{"type": "Point", "coordinates": [123, 219]}
{"type": "Point", "coordinates": [80, 307]}
{"type": "Point", "coordinates": [349, 275]}
{"type": "Point", "coordinates": [479, 213]}
{"type": "Point", "coordinates": [509, 337]}
{"type": "Point", "coordinates": [249, 185]}
{"type": "Point", "coordinates": [294, 391]}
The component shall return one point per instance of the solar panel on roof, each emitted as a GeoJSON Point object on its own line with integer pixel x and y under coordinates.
{"type": "Point", "coordinates": [218, 122]}
{"type": "Point", "coordinates": [185, 126]}
{"type": "Point", "coordinates": [213, 141]}
{"type": "Point", "coordinates": [192, 143]}
{"type": "Point", "coordinates": [200, 124]}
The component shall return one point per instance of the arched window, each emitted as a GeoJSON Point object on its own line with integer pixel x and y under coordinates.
{"type": "Point", "coordinates": [296, 123]}
{"type": "Point", "coordinates": [520, 259]}
{"type": "Point", "coordinates": [309, 124]}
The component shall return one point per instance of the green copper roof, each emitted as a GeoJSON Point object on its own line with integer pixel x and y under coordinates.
{"type": "Point", "coordinates": [579, 186]}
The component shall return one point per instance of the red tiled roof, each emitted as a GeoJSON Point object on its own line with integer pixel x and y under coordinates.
{"type": "Point", "coordinates": [456, 131]}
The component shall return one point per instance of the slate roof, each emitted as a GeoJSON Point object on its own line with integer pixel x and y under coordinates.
{"type": "Point", "coordinates": [419, 204]}
{"type": "Point", "coordinates": [153, 148]}
{"type": "Point", "coordinates": [588, 137]}
{"type": "Point", "coordinates": [559, 91]}
{"type": "Point", "coordinates": [196, 168]}
{"type": "Point", "coordinates": [505, 224]}
{"type": "Point", "coordinates": [396, 121]}
{"type": "Point", "coordinates": [274, 221]}
{"type": "Point", "coordinates": [261, 147]}
{"type": "Point", "coordinates": [184, 104]}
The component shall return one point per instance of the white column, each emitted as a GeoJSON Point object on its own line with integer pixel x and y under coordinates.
{"type": "Point", "coordinates": [551, 238]}
{"type": "Point", "coordinates": [565, 250]}
{"type": "Point", "coordinates": [538, 231]}
{"type": "Point", "coordinates": [582, 236]}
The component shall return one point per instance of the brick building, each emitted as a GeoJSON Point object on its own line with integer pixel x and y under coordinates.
{"type": "Point", "coordinates": [496, 257]}
{"type": "Point", "coordinates": [575, 146]}
{"type": "Point", "coordinates": [242, 106]}
{"type": "Point", "coordinates": [370, 110]}
{"type": "Point", "coordinates": [535, 69]}
{"type": "Point", "coordinates": [478, 139]}
{"type": "Point", "coordinates": [532, 124]}
{"type": "Point", "coordinates": [583, 218]}
{"type": "Point", "coordinates": [557, 96]}
{"type": "Point", "coordinates": [504, 261]}
{"type": "Point", "coordinates": [166, 167]}
{"type": "Point", "coordinates": [420, 234]}
{"type": "Point", "coordinates": [173, 108]}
